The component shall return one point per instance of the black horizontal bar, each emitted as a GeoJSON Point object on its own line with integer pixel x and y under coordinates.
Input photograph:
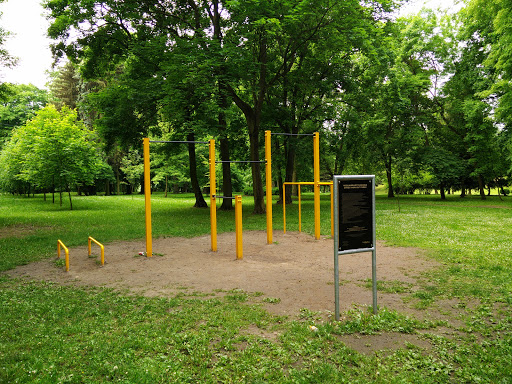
{"type": "Point", "coordinates": [241, 161]}
{"type": "Point", "coordinates": [292, 134]}
{"type": "Point", "coordinates": [178, 142]}
{"type": "Point", "coordinates": [224, 197]}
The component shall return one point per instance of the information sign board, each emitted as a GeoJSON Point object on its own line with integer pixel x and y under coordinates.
{"type": "Point", "coordinates": [355, 214]}
{"type": "Point", "coordinates": [354, 225]}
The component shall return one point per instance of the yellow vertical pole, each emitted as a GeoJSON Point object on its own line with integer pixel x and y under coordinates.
{"type": "Point", "coordinates": [268, 180]}
{"type": "Point", "coordinates": [300, 219]}
{"type": "Point", "coordinates": [316, 174]}
{"type": "Point", "coordinates": [238, 227]}
{"type": "Point", "coordinates": [59, 243]}
{"type": "Point", "coordinates": [332, 212]}
{"type": "Point", "coordinates": [147, 196]}
{"type": "Point", "coordinates": [213, 203]}
{"type": "Point", "coordinates": [284, 208]}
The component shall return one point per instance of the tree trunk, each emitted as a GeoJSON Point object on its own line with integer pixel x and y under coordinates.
{"type": "Point", "coordinates": [70, 202]}
{"type": "Point", "coordinates": [227, 187]}
{"type": "Point", "coordinates": [200, 202]}
{"type": "Point", "coordinates": [279, 173]}
{"type": "Point", "coordinates": [257, 182]}
{"type": "Point", "coordinates": [290, 163]}
{"type": "Point", "coordinates": [481, 187]}
{"type": "Point", "coordinates": [166, 184]}
{"type": "Point", "coordinates": [387, 163]}
{"type": "Point", "coordinates": [441, 188]}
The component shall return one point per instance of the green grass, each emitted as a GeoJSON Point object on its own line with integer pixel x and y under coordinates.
{"type": "Point", "coordinates": [55, 334]}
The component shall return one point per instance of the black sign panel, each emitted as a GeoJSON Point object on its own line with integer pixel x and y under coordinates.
{"type": "Point", "coordinates": [355, 214]}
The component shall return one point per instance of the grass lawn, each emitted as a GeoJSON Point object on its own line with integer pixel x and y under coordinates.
{"type": "Point", "coordinates": [55, 334]}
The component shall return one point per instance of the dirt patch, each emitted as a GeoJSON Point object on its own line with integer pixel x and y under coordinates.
{"type": "Point", "coordinates": [294, 273]}
{"type": "Point", "coordinates": [297, 270]}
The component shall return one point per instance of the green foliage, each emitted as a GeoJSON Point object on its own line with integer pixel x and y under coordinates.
{"type": "Point", "coordinates": [52, 150]}
{"type": "Point", "coordinates": [20, 104]}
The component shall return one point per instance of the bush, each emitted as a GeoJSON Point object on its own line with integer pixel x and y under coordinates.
{"type": "Point", "coordinates": [505, 191]}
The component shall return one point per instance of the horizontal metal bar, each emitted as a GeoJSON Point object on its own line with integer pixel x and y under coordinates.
{"type": "Point", "coordinates": [178, 142]}
{"type": "Point", "coordinates": [307, 183]}
{"type": "Point", "coordinates": [349, 251]}
{"type": "Point", "coordinates": [237, 161]}
{"type": "Point", "coordinates": [224, 197]}
{"type": "Point", "coordinates": [291, 134]}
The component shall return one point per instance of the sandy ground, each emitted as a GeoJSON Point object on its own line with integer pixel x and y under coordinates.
{"type": "Point", "coordinates": [297, 269]}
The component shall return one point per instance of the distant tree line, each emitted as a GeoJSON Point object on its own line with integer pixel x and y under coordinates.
{"type": "Point", "coordinates": [424, 102]}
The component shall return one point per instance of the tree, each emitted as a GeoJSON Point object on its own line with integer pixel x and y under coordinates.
{"type": "Point", "coordinates": [20, 104]}
{"type": "Point", "coordinates": [244, 49]}
{"type": "Point", "coordinates": [53, 149]}
{"type": "Point", "coordinates": [6, 60]}
{"type": "Point", "coordinates": [65, 86]}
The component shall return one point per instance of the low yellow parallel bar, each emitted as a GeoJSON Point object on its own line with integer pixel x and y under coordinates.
{"type": "Point", "coordinates": [213, 202]}
{"type": "Point", "coordinates": [61, 244]}
{"type": "Point", "coordinates": [89, 240]}
{"type": "Point", "coordinates": [238, 227]}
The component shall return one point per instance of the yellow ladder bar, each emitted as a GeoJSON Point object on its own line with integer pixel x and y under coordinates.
{"type": "Point", "coordinates": [213, 203]}
{"type": "Point", "coordinates": [61, 244]}
{"type": "Point", "coordinates": [268, 181]}
{"type": "Point", "coordinates": [316, 180]}
{"type": "Point", "coordinates": [238, 227]}
{"type": "Point", "coordinates": [147, 198]}
{"type": "Point", "coordinates": [89, 240]}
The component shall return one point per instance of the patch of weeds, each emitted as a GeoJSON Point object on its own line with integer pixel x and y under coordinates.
{"type": "Point", "coordinates": [390, 286]}
{"type": "Point", "coordinates": [365, 322]}
{"type": "Point", "coordinates": [258, 294]}
{"type": "Point", "coordinates": [59, 263]}
{"type": "Point", "coordinates": [92, 256]}
{"type": "Point", "coordinates": [308, 315]}
{"type": "Point", "coordinates": [272, 300]}
{"type": "Point", "coordinates": [237, 295]}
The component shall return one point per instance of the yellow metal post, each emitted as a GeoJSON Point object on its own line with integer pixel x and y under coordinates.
{"type": "Point", "coordinates": [147, 196]}
{"type": "Point", "coordinates": [213, 203]}
{"type": "Point", "coordinates": [332, 212]}
{"type": "Point", "coordinates": [238, 227]}
{"type": "Point", "coordinates": [284, 208]}
{"type": "Point", "coordinates": [268, 180]}
{"type": "Point", "coordinates": [61, 244]}
{"type": "Point", "coordinates": [316, 174]}
{"type": "Point", "coordinates": [300, 219]}
{"type": "Point", "coordinates": [89, 240]}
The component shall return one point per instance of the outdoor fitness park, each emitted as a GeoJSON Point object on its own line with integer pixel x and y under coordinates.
{"type": "Point", "coordinates": [352, 212]}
